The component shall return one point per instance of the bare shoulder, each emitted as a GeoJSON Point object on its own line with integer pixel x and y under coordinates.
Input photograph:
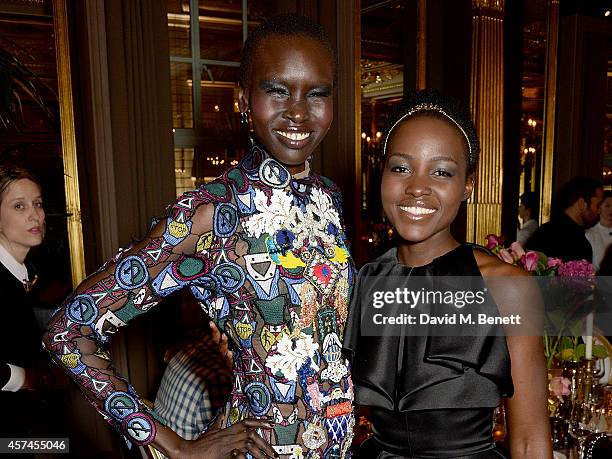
{"type": "Point", "coordinates": [491, 266]}
{"type": "Point", "coordinates": [514, 290]}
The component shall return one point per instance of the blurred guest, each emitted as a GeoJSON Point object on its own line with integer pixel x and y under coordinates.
{"type": "Point", "coordinates": [528, 214]}
{"type": "Point", "coordinates": [563, 237]}
{"type": "Point", "coordinates": [600, 235]}
{"type": "Point", "coordinates": [24, 367]}
{"type": "Point", "coordinates": [195, 385]}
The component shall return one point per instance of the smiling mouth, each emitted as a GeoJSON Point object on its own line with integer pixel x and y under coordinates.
{"type": "Point", "coordinates": [297, 136]}
{"type": "Point", "coordinates": [414, 210]}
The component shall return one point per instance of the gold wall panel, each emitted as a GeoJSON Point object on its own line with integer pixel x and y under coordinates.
{"type": "Point", "coordinates": [71, 176]}
{"type": "Point", "coordinates": [487, 107]}
{"type": "Point", "coordinates": [550, 103]}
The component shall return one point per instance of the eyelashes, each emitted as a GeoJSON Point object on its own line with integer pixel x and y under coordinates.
{"type": "Point", "coordinates": [438, 172]}
{"type": "Point", "coordinates": [276, 89]}
{"type": "Point", "coordinates": [321, 92]}
{"type": "Point", "coordinates": [443, 173]}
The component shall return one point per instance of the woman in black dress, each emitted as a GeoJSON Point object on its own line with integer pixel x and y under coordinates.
{"type": "Point", "coordinates": [431, 391]}
{"type": "Point", "coordinates": [24, 369]}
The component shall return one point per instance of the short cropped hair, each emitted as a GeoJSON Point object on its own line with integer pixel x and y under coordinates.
{"type": "Point", "coordinates": [283, 25]}
{"type": "Point", "coordinates": [576, 188]}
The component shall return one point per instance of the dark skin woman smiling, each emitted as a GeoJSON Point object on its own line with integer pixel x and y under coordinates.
{"type": "Point", "coordinates": [262, 248]}
{"type": "Point", "coordinates": [433, 395]}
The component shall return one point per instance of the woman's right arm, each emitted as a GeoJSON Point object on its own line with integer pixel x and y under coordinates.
{"type": "Point", "coordinates": [130, 284]}
{"type": "Point", "coordinates": [125, 287]}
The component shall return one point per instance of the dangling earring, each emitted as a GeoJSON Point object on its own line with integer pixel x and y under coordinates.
{"type": "Point", "coordinates": [245, 129]}
{"type": "Point", "coordinates": [244, 122]}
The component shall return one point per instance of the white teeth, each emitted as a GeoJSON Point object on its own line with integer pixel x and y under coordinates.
{"type": "Point", "coordinates": [417, 210]}
{"type": "Point", "coordinates": [294, 135]}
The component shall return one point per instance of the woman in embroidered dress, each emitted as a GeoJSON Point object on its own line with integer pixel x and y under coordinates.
{"type": "Point", "coordinates": [431, 388]}
{"type": "Point", "coordinates": [264, 251]}
{"type": "Point", "coordinates": [24, 366]}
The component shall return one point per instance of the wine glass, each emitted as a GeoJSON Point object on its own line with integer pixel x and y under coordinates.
{"type": "Point", "coordinates": [579, 425]}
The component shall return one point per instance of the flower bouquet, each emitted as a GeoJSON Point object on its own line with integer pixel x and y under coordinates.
{"type": "Point", "coordinates": [569, 298]}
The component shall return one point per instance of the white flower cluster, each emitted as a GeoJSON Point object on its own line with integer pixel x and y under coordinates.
{"type": "Point", "coordinates": [290, 355]}
{"type": "Point", "coordinates": [282, 214]}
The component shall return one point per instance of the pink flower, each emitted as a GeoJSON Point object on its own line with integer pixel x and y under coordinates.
{"type": "Point", "coordinates": [576, 268]}
{"type": "Point", "coordinates": [517, 250]}
{"type": "Point", "coordinates": [553, 262]}
{"type": "Point", "coordinates": [493, 241]}
{"type": "Point", "coordinates": [559, 386]}
{"type": "Point", "coordinates": [530, 260]}
{"type": "Point", "coordinates": [505, 255]}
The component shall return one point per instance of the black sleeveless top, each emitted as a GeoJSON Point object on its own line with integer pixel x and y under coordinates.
{"type": "Point", "coordinates": [424, 388]}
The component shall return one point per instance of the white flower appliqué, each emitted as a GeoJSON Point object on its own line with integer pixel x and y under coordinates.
{"type": "Point", "coordinates": [281, 214]}
{"type": "Point", "coordinates": [290, 355]}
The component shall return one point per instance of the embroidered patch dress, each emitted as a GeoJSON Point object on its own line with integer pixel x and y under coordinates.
{"type": "Point", "coordinates": [274, 273]}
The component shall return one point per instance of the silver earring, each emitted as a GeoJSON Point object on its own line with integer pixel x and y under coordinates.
{"type": "Point", "coordinates": [244, 121]}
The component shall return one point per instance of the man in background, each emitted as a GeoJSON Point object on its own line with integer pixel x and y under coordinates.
{"type": "Point", "coordinates": [563, 236]}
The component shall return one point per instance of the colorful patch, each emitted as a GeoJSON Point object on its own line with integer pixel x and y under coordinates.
{"type": "Point", "coordinates": [322, 273]}
{"type": "Point", "coordinates": [284, 392]}
{"type": "Point", "coordinates": [189, 268]}
{"type": "Point", "coordinates": [72, 361]}
{"type": "Point", "coordinates": [339, 409]}
{"type": "Point", "coordinates": [273, 174]}
{"type": "Point", "coordinates": [165, 283]}
{"type": "Point", "coordinates": [251, 162]}
{"type": "Point", "coordinates": [177, 230]}
{"type": "Point", "coordinates": [238, 179]}
{"type": "Point", "coordinates": [230, 275]}
{"type": "Point", "coordinates": [97, 382]}
{"type": "Point", "coordinates": [337, 427]}
{"type": "Point", "coordinates": [119, 405]}
{"type": "Point", "coordinates": [314, 436]}
{"type": "Point", "coordinates": [225, 220]}
{"type": "Point", "coordinates": [108, 323]}
{"type": "Point", "coordinates": [272, 311]}
{"type": "Point", "coordinates": [326, 321]}
{"type": "Point", "coordinates": [139, 428]}
{"type": "Point", "coordinates": [131, 273]}
{"type": "Point", "coordinates": [82, 310]}
{"type": "Point", "coordinates": [217, 191]}
{"type": "Point", "coordinates": [156, 250]}
{"type": "Point", "coordinates": [286, 429]}
{"type": "Point", "coordinates": [265, 289]}
{"type": "Point", "coordinates": [246, 202]}
{"type": "Point", "coordinates": [128, 311]}
{"type": "Point", "coordinates": [259, 398]}
{"type": "Point", "coordinates": [205, 242]}
{"type": "Point", "coordinates": [271, 334]}
{"type": "Point", "coordinates": [245, 332]}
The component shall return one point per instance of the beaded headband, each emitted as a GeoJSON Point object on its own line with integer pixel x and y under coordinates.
{"type": "Point", "coordinates": [423, 108]}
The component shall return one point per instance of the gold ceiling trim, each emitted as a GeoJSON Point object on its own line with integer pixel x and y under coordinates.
{"type": "Point", "coordinates": [495, 5]}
